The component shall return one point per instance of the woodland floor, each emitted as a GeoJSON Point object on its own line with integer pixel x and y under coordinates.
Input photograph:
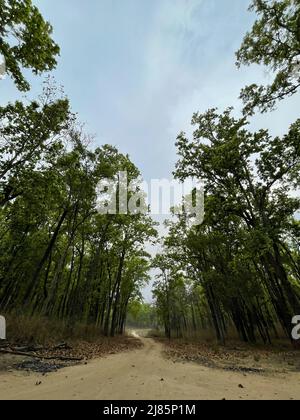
{"type": "Point", "coordinates": [63, 354]}
{"type": "Point", "coordinates": [280, 358]}
{"type": "Point", "coordinates": [146, 373]}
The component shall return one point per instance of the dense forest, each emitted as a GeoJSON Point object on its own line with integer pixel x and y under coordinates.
{"type": "Point", "coordinates": [60, 258]}
{"type": "Point", "coordinates": [241, 267]}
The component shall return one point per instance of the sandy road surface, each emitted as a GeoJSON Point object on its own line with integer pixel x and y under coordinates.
{"type": "Point", "coordinates": [146, 374]}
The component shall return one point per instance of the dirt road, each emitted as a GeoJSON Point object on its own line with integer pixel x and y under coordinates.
{"type": "Point", "coordinates": [146, 374]}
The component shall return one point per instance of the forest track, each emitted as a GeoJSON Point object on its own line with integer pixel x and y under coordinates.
{"type": "Point", "coordinates": [146, 374]}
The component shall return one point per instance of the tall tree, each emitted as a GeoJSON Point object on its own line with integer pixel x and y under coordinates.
{"type": "Point", "coordinates": [274, 42]}
{"type": "Point", "coordinates": [242, 257]}
{"type": "Point", "coordinates": [59, 257]}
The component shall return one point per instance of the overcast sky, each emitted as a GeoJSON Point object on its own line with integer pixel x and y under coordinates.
{"type": "Point", "coordinates": [137, 70]}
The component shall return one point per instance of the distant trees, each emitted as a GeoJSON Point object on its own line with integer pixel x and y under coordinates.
{"type": "Point", "coordinates": [141, 315]}
{"type": "Point", "coordinates": [170, 292]}
{"type": "Point", "coordinates": [241, 266]}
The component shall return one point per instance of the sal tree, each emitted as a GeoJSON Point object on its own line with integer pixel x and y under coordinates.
{"type": "Point", "coordinates": [248, 178]}
{"type": "Point", "coordinates": [29, 135]}
{"type": "Point", "coordinates": [25, 40]}
{"type": "Point", "coordinates": [274, 42]}
{"type": "Point", "coordinates": [59, 257]}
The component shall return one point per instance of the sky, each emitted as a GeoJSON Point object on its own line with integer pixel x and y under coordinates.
{"type": "Point", "coordinates": [136, 70]}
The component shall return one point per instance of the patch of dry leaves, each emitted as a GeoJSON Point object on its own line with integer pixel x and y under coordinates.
{"type": "Point", "coordinates": [64, 354]}
{"type": "Point", "coordinates": [236, 357]}
{"type": "Point", "coordinates": [91, 350]}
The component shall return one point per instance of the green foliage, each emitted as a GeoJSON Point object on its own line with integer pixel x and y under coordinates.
{"type": "Point", "coordinates": [240, 260]}
{"type": "Point", "coordinates": [274, 42]}
{"type": "Point", "coordinates": [141, 315]}
{"type": "Point", "coordinates": [59, 257]}
{"type": "Point", "coordinates": [25, 40]}
{"type": "Point", "coordinates": [30, 138]}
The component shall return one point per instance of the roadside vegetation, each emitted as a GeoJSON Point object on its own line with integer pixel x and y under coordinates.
{"type": "Point", "coordinates": [62, 264]}
{"type": "Point", "coordinates": [241, 268]}
{"type": "Point", "coordinates": [68, 272]}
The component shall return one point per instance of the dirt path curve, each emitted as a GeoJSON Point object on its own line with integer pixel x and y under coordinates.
{"type": "Point", "coordinates": [145, 374]}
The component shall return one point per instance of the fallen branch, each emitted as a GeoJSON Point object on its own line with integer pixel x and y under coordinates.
{"type": "Point", "coordinates": [26, 348]}
{"type": "Point", "coordinates": [62, 346]}
{"type": "Point", "coordinates": [21, 353]}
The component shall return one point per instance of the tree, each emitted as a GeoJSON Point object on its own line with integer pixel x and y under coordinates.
{"type": "Point", "coordinates": [274, 42]}
{"type": "Point", "coordinates": [170, 293]}
{"type": "Point", "coordinates": [29, 135]}
{"type": "Point", "coordinates": [241, 256]}
{"type": "Point", "coordinates": [141, 315]}
{"type": "Point", "coordinates": [60, 258]}
{"type": "Point", "coordinates": [25, 40]}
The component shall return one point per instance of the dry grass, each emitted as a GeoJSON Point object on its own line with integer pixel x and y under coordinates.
{"type": "Point", "coordinates": [204, 336]}
{"type": "Point", "coordinates": [208, 336]}
{"type": "Point", "coordinates": [155, 334]}
{"type": "Point", "coordinates": [43, 331]}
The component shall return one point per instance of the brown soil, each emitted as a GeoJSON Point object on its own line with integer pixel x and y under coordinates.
{"type": "Point", "coordinates": [145, 374]}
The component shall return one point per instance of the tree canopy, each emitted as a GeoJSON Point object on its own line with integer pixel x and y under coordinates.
{"type": "Point", "coordinates": [25, 41]}
{"type": "Point", "coordinates": [59, 257]}
{"type": "Point", "coordinates": [62, 258]}
{"type": "Point", "coordinates": [274, 42]}
{"type": "Point", "coordinates": [242, 264]}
